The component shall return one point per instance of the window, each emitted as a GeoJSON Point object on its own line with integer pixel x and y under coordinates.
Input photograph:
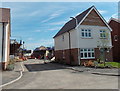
{"type": "Point", "coordinates": [87, 53]}
{"type": "Point", "coordinates": [63, 54]}
{"type": "Point", "coordinates": [116, 38]}
{"type": "Point", "coordinates": [102, 34]}
{"type": "Point", "coordinates": [63, 38]}
{"type": "Point", "coordinates": [86, 33]}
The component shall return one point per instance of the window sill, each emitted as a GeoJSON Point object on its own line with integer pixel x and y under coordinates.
{"type": "Point", "coordinates": [103, 38]}
{"type": "Point", "coordinates": [86, 37]}
{"type": "Point", "coordinates": [88, 58]}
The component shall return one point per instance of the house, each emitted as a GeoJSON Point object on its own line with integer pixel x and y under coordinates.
{"type": "Point", "coordinates": [82, 39]}
{"type": "Point", "coordinates": [14, 47]}
{"type": "Point", "coordinates": [39, 52]}
{"type": "Point", "coordinates": [115, 33]}
{"type": "Point", "coordinates": [4, 37]}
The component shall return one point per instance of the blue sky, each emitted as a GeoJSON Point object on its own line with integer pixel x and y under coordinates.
{"type": "Point", "coordinates": [37, 22]}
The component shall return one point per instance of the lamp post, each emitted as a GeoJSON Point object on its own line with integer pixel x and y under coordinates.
{"type": "Point", "coordinates": [77, 38]}
{"type": "Point", "coordinates": [23, 48]}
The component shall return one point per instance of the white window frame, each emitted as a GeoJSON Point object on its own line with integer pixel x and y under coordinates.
{"type": "Point", "coordinates": [87, 51]}
{"type": "Point", "coordinates": [86, 33]}
{"type": "Point", "coordinates": [102, 33]}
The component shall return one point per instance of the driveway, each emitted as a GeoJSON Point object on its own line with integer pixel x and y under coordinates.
{"type": "Point", "coordinates": [38, 75]}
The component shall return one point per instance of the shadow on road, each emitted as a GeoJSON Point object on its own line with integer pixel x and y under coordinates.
{"type": "Point", "coordinates": [43, 67]}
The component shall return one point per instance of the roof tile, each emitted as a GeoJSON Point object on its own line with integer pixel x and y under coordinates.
{"type": "Point", "coordinates": [72, 23]}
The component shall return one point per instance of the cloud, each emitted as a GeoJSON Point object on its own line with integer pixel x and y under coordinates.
{"type": "Point", "coordinates": [55, 28]}
{"type": "Point", "coordinates": [34, 13]}
{"type": "Point", "coordinates": [38, 43]}
{"type": "Point", "coordinates": [107, 18]}
{"type": "Point", "coordinates": [58, 23]}
{"type": "Point", "coordinates": [30, 39]}
{"type": "Point", "coordinates": [115, 15]}
{"type": "Point", "coordinates": [102, 11]}
{"type": "Point", "coordinates": [38, 31]}
{"type": "Point", "coordinates": [54, 15]}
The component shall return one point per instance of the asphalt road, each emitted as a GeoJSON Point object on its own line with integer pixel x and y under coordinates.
{"type": "Point", "coordinates": [38, 75]}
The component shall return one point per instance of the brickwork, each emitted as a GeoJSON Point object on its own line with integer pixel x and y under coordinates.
{"type": "Point", "coordinates": [93, 19]}
{"type": "Point", "coordinates": [68, 57]}
{"type": "Point", "coordinates": [3, 65]}
{"type": "Point", "coordinates": [116, 44]}
{"type": "Point", "coordinates": [72, 58]}
{"type": "Point", "coordinates": [108, 54]}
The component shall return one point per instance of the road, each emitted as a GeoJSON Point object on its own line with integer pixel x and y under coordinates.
{"type": "Point", "coordinates": [38, 75]}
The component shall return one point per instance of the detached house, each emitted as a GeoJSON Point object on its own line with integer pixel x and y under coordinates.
{"type": "Point", "coordinates": [115, 33]}
{"type": "Point", "coordinates": [4, 37]}
{"type": "Point", "coordinates": [82, 38]}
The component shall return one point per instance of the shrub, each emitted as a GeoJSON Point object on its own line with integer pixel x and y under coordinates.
{"type": "Point", "coordinates": [10, 65]}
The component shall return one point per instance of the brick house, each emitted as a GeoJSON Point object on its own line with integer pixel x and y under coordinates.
{"type": "Point", "coordinates": [115, 33]}
{"type": "Point", "coordinates": [4, 37]}
{"type": "Point", "coordinates": [80, 38]}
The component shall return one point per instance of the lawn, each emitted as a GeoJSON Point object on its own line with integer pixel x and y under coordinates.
{"type": "Point", "coordinates": [112, 64]}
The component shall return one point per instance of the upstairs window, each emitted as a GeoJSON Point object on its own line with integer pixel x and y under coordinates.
{"type": "Point", "coordinates": [102, 34]}
{"type": "Point", "coordinates": [63, 38]}
{"type": "Point", "coordinates": [86, 33]}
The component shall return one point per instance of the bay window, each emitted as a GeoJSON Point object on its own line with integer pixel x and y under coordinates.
{"type": "Point", "coordinates": [87, 53]}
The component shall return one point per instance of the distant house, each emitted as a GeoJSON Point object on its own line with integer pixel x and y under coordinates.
{"type": "Point", "coordinates": [79, 40]}
{"type": "Point", "coordinates": [39, 52]}
{"type": "Point", "coordinates": [115, 25]}
{"type": "Point", "coordinates": [4, 36]}
{"type": "Point", "coordinates": [14, 47]}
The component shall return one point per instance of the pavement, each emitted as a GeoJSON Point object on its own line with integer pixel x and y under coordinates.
{"type": "Point", "coordinates": [98, 71]}
{"type": "Point", "coordinates": [8, 76]}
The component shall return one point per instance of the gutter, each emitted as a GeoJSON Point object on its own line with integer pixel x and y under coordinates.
{"type": "Point", "coordinates": [2, 41]}
{"type": "Point", "coordinates": [69, 48]}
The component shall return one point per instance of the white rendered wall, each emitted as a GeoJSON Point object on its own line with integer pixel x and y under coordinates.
{"type": "Point", "coordinates": [95, 33]}
{"type": "Point", "coordinates": [60, 44]}
{"type": "Point", "coordinates": [75, 35]}
{"type": "Point", "coordinates": [6, 42]}
{"type": "Point", "coordinates": [5, 47]}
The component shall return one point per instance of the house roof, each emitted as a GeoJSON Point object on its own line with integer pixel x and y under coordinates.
{"type": "Point", "coordinates": [72, 23]}
{"type": "Point", "coordinates": [4, 15]}
{"type": "Point", "coordinates": [40, 48]}
{"type": "Point", "coordinates": [114, 19]}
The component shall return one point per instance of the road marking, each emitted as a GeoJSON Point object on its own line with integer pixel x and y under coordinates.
{"type": "Point", "coordinates": [21, 74]}
{"type": "Point", "coordinates": [22, 67]}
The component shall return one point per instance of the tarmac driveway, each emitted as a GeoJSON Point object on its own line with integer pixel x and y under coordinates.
{"type": "Point", "coordinates": [38, 75]}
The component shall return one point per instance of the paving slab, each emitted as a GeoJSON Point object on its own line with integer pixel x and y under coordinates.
{"type": "Point", "coordinates": [8, 76]}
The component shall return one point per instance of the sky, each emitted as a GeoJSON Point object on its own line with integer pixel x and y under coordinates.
{"type": "Point", "coordinates": [37, 22]}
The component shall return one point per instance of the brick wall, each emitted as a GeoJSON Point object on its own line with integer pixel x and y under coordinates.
{"type": "Point", "coordinates": [3, 65]}
{"type": "Point", "coordinates": [67, 56]}
{"type": "Point", "coordinates": [116, 44]}
{"type": "Point", "coordinates": [72, 58]}
{"type": "Point", "coordinates": [109, 56]}
{"type": "Point", "coordinates": [93, 19]}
